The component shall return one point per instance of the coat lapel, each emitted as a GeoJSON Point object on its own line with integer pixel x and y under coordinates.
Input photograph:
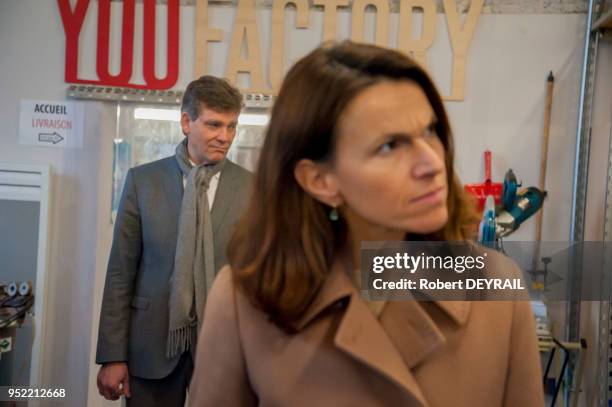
{"type": "Point", "coordinates": [413, 332]}
{"type": "Point", "coordinates": [173, 189]}
{"type": "Point", "coordinates": [403, 336]}
{"type": "Point", "coordinates": [361, 336]}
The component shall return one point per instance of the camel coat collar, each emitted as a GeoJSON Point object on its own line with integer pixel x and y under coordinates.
{"type": "Point", "coordinates": [401, 338]}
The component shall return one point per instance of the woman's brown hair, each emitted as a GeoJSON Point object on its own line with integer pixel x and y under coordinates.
{"type": "Point", "coordinates": [284, 245]}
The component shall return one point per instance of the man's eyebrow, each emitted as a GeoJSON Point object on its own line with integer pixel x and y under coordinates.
{"type": "Point", "coordinates": [219, 122]}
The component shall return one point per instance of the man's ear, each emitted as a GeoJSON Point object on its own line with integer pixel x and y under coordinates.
{"type": "Point", "coordinates": [185, 120]}
{"type": "Point", "coordinates": [318, 181]}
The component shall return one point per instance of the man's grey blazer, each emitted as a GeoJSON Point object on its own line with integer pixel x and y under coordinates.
{"type": "Point", "coordinates": [134, 316]}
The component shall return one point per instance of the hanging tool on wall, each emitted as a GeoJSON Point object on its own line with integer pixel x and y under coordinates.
{"type": "Point", "coordinates": [488, 226]}
{"type": "Point", "coordinates": [550, 83]}
{"type": "Point", "coordinates": [504, 206]}
{"type": "Point", "coordinates": [487, 188]}
{"type": "Point", "coordinates": [521, 206]}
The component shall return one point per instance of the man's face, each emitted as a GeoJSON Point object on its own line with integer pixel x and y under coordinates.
{"type": "Point", "coordinates": [210, 135]}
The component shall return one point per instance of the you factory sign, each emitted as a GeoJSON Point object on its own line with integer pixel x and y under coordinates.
{"type": "Point", "coordinates": [265, 77]}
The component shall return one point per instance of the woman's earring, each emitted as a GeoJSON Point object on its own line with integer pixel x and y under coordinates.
{"type": "Point", "coordinates": [333, 214]}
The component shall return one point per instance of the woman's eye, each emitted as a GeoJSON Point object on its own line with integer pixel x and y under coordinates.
{"type": "Point", "coordinates": [431, 131]}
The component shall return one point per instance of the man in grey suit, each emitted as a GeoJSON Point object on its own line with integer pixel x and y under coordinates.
{"type": "Point", "coordinates": [167, 247]}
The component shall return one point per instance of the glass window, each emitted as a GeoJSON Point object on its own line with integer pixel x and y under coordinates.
{"type": "Point", "coordinates": [148, 132]}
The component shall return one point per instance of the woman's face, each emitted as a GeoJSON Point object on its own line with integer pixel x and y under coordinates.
{"type": "Point", "coordinates": [389, 163]}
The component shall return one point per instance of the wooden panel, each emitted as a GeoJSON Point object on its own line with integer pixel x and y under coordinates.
{"type": "Point", "coordinates": [382, 21]}
{"type": "Point", "coordinates": [277, 47]}
{"type": "Point", "coordinates": [245, 29]}
{"type": "Point", "coordinates": [203, 35]}
{"type": "Point", "coordinates": [417, 48]}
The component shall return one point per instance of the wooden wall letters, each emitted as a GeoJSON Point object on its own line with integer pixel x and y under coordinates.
{"type": "Point", "coordinates": [244, 56]}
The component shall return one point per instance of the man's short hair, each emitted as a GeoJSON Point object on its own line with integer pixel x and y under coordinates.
{"type": "Point", "coordinates": [214, 93]}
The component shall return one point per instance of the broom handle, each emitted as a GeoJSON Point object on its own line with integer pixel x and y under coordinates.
{"type": "Point", "coordinates": [543, 162]}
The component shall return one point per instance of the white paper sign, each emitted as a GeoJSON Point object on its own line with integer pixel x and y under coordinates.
{"type": "Point", "coordinates": [51, 123]}
{"type": "Point", "coordinates": [6, 344]}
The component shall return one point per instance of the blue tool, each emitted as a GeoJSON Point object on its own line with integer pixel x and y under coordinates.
{"type": "Point", "coordinates": [487, 229]}
{"type": "Point", "coordinates": [509, 190]}
{"type": "Point", "coordinates": [527, 202]}
{"type": "Point", "coordinates": [517, 207]}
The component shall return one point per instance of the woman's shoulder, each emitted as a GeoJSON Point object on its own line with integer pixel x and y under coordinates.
{"type": "Point", "coordinates": [223, 284]}
{"type": "Point", "coordinates": [220, 298]}
{"type": "Point", "coordinates": [226, 293]}
{"type": "Point", "coordinates": [224, 279]}
{"type": "Point", "coordinates": [497, 264]}
{"type": "Point", "coordinates": [228, 303]}
{"type": "Point", "coordinates": [500, 267]}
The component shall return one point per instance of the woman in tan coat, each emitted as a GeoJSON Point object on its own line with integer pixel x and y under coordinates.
{"type": "Point", "coordinates": [358, 148]}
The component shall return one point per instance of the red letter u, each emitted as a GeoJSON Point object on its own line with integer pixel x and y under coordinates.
{"type": "Point", "coordinates": [127, 44]}
{"type": "Point", "coordinates": [149, 46]}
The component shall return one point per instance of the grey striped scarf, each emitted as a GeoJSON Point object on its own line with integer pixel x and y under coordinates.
{"type": "Point", "coordinates": [194, 264]}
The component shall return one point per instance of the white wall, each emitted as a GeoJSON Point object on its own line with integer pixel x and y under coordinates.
{"type": "Point", "coordinates": [505, 88]}
{"type": "Point", "coordinates": [31, 41]}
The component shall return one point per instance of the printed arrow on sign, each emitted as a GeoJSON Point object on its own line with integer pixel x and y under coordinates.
{"type": "Point", "coordinates": [4, 345]}
{"type": "Point", "coordinates": [50, 137]}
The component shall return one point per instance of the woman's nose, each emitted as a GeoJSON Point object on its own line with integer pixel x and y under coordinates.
{"type": "Point", "coordinates": [429, 161]}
